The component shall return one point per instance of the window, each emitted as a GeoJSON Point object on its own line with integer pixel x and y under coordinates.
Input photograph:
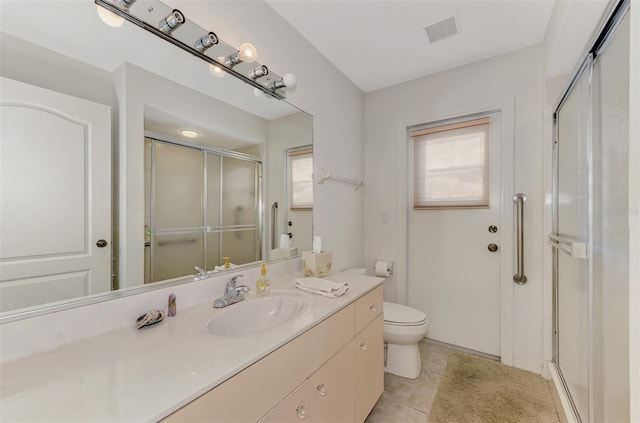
{"type": "Point", "coordinates": [301, 179]}
{"type": "Point", "coordinates": [451, 165]}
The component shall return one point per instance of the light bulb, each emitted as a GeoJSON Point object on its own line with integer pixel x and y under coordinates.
{"type": "Point", "coordinates": [247, 53]}
{"type": "Point", "coordinates": [216, 70]}
{"type": "Point", "coordinates": [289, 80]}
{"type": "Point", "coordinates": [108, 17]}
{"type": "Point", "coordinates": [188, 133]}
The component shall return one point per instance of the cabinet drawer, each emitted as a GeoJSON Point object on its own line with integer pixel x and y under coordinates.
{"type": "Point", "coordinates": [327, 396]}
{"type": "Point", "coordinates": [250, 394]}
{"type": "Point", "coordinates": [368, 308]}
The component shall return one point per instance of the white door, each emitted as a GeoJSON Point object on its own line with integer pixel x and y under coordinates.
{"type": "Point", "coordinates": [453, 276]}
{"type": "Point", "coordinates": [300, 226]}
{"type": "Point", "coordinates": [55, 196]}
{"type": "Point", "coordinates": [298, 220]}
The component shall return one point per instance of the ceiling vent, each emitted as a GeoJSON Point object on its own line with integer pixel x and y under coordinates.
{"type": "Point", "coordinates": [442, 28]}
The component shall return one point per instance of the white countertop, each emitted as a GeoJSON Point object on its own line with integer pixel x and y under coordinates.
{"type": "Point", "coordinates": [145, 375]}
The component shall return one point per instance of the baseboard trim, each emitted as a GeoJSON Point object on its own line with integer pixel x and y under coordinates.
{"type": "Point", "coordinates": [530, 366]}
{"type": "Point", "coordinates": [563, 404]}
{"type": "Point", "coordinates": [462, 349]}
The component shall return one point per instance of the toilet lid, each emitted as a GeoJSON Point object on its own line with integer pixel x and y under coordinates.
{"type": "Point", "coordinates": [399, 314]}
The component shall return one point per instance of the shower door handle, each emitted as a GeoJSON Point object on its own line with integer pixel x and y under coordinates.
{"type": "Point", "coordinates": [519, 199]}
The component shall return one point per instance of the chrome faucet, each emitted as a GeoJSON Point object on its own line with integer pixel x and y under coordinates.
{"type": "Point", "coordinates": [232, 293]}
{"type": "Point", "coordinates": [201, 273]}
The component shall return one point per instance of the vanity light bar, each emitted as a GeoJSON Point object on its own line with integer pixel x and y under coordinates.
{"type": "Point", "coordinates": [175, 19]}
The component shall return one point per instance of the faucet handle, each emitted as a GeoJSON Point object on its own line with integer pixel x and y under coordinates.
{"type": "Point", "coordinates": [231, 283]}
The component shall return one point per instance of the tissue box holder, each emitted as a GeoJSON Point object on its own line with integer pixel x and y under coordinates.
{"type": "Point", "coordinates": [316, 264]}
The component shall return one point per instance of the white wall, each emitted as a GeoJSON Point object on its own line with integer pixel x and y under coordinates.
{"type": "Point", "coordinates": [36, 65]}
{"type": "Point", "coordinates": [517, 76]}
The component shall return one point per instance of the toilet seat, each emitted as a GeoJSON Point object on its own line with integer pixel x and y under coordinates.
{"type": "Point", "coordinates": [401, 315]}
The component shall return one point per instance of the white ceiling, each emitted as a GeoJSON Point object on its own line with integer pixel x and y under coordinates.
{"type": "Point", "coordinates": [381, 43]}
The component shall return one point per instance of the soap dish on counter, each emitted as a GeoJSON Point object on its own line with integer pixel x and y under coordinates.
{"type": "Point", "coordinates": [151, 318]}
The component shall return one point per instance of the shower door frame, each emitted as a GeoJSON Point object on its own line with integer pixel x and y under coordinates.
{"type": "Point", "coordinates": [605, 32]}
{"type": "Point", "coordinates": [585, 67]}
{"type": "Point", "coordinates": [205, 229]}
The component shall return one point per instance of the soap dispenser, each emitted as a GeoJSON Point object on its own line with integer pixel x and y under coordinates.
{"type": "Point", "coordinates": [226, 262]}
{"type": "Point", "coordinates": [262, 284]}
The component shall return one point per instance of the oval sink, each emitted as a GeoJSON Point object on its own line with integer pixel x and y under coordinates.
{"type": "Point", "coordinates": [260, 314]}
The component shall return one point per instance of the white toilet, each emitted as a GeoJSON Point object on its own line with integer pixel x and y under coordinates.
{"type": "Point", "coordinates": [404, 327]}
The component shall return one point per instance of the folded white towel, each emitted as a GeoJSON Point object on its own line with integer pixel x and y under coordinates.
{"type": "Point", "coordinates": [322, 287]}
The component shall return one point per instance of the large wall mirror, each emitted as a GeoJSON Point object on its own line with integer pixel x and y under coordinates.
{"type": "Point", "coordinates": [126, 164]}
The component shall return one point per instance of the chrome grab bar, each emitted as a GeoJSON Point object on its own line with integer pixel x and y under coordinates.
{"type": "Point", "coordinates": [274, 219]}
{"type": "Point", "coordinates": [569, 246]}
{"type": "Point", "coordinates": [519, 199]}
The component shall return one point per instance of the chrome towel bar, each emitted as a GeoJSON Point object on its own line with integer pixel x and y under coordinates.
{"type": "Point", "coordinates": [519, 199]}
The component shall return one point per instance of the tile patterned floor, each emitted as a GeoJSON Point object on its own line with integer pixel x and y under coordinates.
{"type": "Point", "coordinates": [407, 400]}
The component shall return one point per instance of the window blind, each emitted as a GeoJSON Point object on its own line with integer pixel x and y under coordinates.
{"type": "Point", "coordinates": [301, 179]}
{"type": "Point", "coordinates": [451, 165]}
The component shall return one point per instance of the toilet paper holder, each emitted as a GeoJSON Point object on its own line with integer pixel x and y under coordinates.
{"type": "Point", "coordinates": [383, 268]}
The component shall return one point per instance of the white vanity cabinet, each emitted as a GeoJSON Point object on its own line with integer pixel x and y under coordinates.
{"type": "Point", "coordinates": [334, 372]}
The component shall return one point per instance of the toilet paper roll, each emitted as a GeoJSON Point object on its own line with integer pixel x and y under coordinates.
{"type": "Point", "coordinates": [383, 268]}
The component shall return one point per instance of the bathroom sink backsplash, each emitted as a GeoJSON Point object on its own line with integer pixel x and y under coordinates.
{"type": "Point", "coordinates": [32, 335]}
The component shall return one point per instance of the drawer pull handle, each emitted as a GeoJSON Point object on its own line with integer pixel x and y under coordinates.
{"type": "Point", "coordinates": [364, 346]}
{"type": "Point", "coordinates": [321, 389]}
{"type": "Point", "coordinates": [302, 412]}
{"type": "Point", "coordinates": [373, 308]}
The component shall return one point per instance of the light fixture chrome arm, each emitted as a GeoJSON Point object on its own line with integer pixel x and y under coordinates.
{"type": "Point", "coordinates": [126, 4]}
{"type": "Point", "coordinates": [206, 42]}
{"type": "Point", "coordinates": [171, 21]}
{"type": "Point", "coordinates": [175, 19]}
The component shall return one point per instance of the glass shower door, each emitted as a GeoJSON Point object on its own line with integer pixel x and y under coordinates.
{"type": "Point", "coordinates": [177, 240]}
{"type": "Point", "coordinates": [203, 204]}
{"type": "Point", "coordinates": [571, 221]}
{"type": "Point", "coordinates": [591, 187]}
{"type": "Point", "coordinates": [610, 87]}
{"type": "Point", "coordinates": [240, 238]}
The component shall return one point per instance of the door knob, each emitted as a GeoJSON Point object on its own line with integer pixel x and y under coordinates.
{"type": "Point", "coordinates": [493, 229]}
{"type": "Point", "coordinates": [290, 235]}
{"type": "Point", "coordinates": [492, 247]}
{"type": "Point", "coordinates": [290, 223]}
{"type": "Point", "coordinates": [101, 243]}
